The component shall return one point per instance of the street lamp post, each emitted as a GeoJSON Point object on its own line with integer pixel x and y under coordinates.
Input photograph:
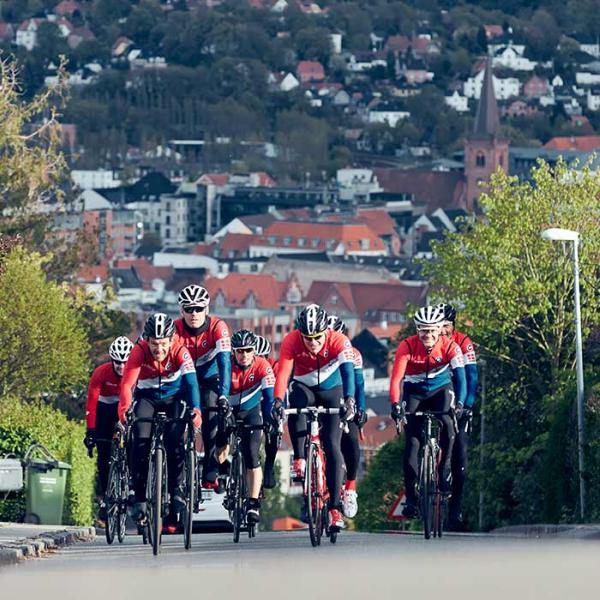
{"type": "Point", "coordinates": [567, 235]}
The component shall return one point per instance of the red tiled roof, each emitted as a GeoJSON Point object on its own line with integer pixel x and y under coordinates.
{"type": "Point", "coordinates": [492, 31]}
{"type": "Point", "coordinates": [93, 274]}
{"type": "Point", "coordinates": [238, 243]}
{"type": "Point", "coordinates": [310, 68]}
{"type": "Point", "coordinates": [583, 143]}
{"type": "Point", "coordinates": [145, 271]}
{"type": "Point", "coordinates": [351, 235]}
{"type": "Point", "coordinates": [435, 189]}
{"type": "Point", "coordinates": [265, 180]}
{"type": "Point", "coordinates": [219, 179]}
{"type": "Point", "coordinates": [66, 7]}
{"type": "Point", "coordinates": [201, 249]}
{"type": "Point", "coordinates": [362, 297]}
{"type": "Point", "coordinates": [237, 287]}
{"type": "Point", "coordinates": [25, 24]}
{"type": "Point", "coordinates": [378, 220]}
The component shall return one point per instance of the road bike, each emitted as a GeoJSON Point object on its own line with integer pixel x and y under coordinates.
{"type": "Point", "coordinates": [316, 493]}
{"type": "Point", "coordinates": [157, 496]}
{"type": "Point", "coordinates": [432, 501]}
{"type": "Point", "coordinates": [117, 489]}
{"type": "Point", "coordinates": [236, 490]}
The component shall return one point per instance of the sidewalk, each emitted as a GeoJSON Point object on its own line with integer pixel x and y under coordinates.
{"type": "Point", "coordinates": [22, 540]}
{"type": "Point", "coordinates": [589, 531]}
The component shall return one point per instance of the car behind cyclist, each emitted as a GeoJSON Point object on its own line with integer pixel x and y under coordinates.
{"type": "Point", "coordinates": [207, 340]}
{"type": "Point", "coordinates": [163, 376]}
{"type": "Point", "coordinates": [101, 409]}
{"type": "Point", "coordinates": [421, 380]}
{"type": "Point", "coordinates": [263, 348]}
{"type": "Point", "coordinates": [350, 439]}
{"type": "Point", "coordinates": [251, 399]}
{"type": "Point", "coordinates": [460, 451]}
{"type": "Point", "coordinates": [323, 374]}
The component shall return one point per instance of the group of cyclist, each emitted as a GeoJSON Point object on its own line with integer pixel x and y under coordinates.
{"type": "Point", "coordinates": [194, 366]}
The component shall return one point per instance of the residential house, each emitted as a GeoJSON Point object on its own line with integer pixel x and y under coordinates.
{"type": "Point", "coordinates": [336, 42]}
{"type": "Point", "coordinates": [504, 88]}
{"type": "Point", "coordinates": [536, 87]}
{"type": "Point", "coordinates": [387, 114]}
{"type": "Point", "coordinates": [93, 179]}
{"type": "Point", "coordinates": [7, 33]}
{"type": "Point", "coordinates": [419, 46]}
{"type": "Point", "coordinates": [120, 47]}
{"type": "Point", "coordinates": [67, 8]}
{"type": "Point", "coordinates": [368, 303]}
{"type": "Point", "coordinates": [363, 62]}
{"type": "Point", "coordinates": [519, 108]}
{"type": "Point", "coordinates": [512, 58]}
{"type": "Point", "coordinates": [588, 44]}
{"type": "Point", "coordinates": [493, 31]}
{"type": "Point", "coordinates": [356, 185]}
{"type": "Point", "coordinates": [587, 78]}
{"type": "Point", "coordinates": [593, 99]}
{"type": "Point", "coordinates": [581, 143]}
{"type": "Point", "coordinates": [415, 72]}
{"type": "Point", "coordinates": [341, 98]}
{"type": "Point", "coordinates": [78, 35]}
{"type": "Point", "coordinates": [310, 70]}
{"type": "Point", "coordinates": [27, 33]}
{"type": "Point", "coordinates": [457, 102]}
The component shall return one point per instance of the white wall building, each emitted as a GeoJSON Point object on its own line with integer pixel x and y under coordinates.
{"type": "Point", "coordinates": [357, 184]}
{"type": "Point", "coordinates": [583, 78]}
{"type": "Point", "coordinates": [593, 100]}
{"type": "Point", "coordinates": [389, 117]}
{"type": "Point", "coordinates": [457, 102]}
{"type": "Point", "coordinates": [94, 179]}
{"type": "Point", "coordinates": [503, 88]}
{"type": "Point", "coordinates": [511, 57]}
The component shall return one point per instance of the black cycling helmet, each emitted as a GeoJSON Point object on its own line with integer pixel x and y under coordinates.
{"type": "Point", "coordinates": [312, 320]}
{"type": "Point", "coordinates": [449, 312]}
{"type": "Point", "coordinates": [335, 323]}
{"type": "Point", "coordinates": [159, 325]}
{"type": "Point", "coordinates": [243, 339]}
{"type": "Point", "coordinates": [263, 346]}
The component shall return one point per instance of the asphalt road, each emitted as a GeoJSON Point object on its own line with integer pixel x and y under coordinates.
{"type": "Point", "coordinates": [284, 565]}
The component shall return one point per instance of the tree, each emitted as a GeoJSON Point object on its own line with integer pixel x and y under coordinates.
{"type": "Point", "coordinates": [43, 342]}
{"type": "Point", "coordinates": [517, 291]}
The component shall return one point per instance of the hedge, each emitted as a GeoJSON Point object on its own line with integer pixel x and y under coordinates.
{"type": "Point", "coordinates": [23, 423]}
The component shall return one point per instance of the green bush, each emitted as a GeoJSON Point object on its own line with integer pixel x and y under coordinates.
{"type": "Point", "coordinates": [380, 487]}
{"type": "Point", "coordinates": [23, 423]}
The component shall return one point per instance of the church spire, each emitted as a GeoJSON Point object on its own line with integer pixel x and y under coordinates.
{"type": "Point", "coordinates": [487, 123]}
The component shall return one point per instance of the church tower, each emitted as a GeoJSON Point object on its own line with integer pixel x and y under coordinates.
{"type": "Point", "coordinates": [485, 149]}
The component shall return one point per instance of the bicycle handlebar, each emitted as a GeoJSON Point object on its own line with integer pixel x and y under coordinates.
{"type": "Point", "coordinates": [429, 413]}
{"type": "Point", "coordinates": [314, 410]}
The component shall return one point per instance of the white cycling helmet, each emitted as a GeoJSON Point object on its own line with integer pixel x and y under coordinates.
{"type": "Point", "coordinates": [120, 348]}
{"type": "Point", "coordinates": [429, 316]}
{"type": "Point", "coordinates": [263, 346]}
{"type": "Point", "coordinates": [193, 295]}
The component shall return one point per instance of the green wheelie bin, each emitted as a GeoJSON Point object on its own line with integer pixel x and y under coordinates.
{"type": "Point", "coordinates": [45, 482]}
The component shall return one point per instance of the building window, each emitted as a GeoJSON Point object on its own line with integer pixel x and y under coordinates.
{"type": "Point", "coordinates": [287, 240]}
{"type": "Point", "coordinates": [301, 242]}
{"type": "Point", "coordinates": [272, 240]}
{"type": "Point", "coordinates": [364, 244]}
{"type": "Point", "coordinates": [480, 159]}
{"type": "Point", "coordinates": [168, 220]}
{"type": "Point", "coordinates": [330, 244]}
{"type": "Point", "coordinates": [501, 160]}
{"type": "Point", "coordinates": [316, 242]}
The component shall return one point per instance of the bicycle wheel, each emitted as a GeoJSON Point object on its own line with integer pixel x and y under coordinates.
{"type": "Point", "coordinates": [123, 497]}
{"type": "Point", "coordinates": [313, 493]}
{"type": "Point", "coordinates": [190, 501]}
{"type": "Point", "coordinates": [440, 501]}
{"type": "Point", "coordinates": [237, 498]}
{"type": "Point", "coordinates": [426, 492]}
{"type": "Point", "coordinates": [155, 505]}
{"type": "Point", "coordinates": [111, 499]}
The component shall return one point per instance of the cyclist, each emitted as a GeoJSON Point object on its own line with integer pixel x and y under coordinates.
{"type": "Point", "coordinates": [252, 380]}
{"type": "Point", "coordinates": [350, 439]}
{"type": "Point", "coordinates": [207, 340]}
{"type": "Point", "coordinates": [421, 381]}
{"type": "Point", "coordinates": [101, 410]}
{"type": "Point", "coordinates": [459, 454]}
{"type": "Point", "coordinates": [323, 374]}
{"type": "Point", "coordinates": [263, 348]}
{"type": "Point", "coordinates": [163, 375]}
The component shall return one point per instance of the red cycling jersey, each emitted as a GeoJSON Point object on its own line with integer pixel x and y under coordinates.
{"type": "Point", "coordinates": [104, 387]}
{"type": "Point", "coordinates": [314, 370]}
{"type": "Point", "coordinates": [247, 385]}
{"type": "Point", "coordinates": [157, 381]}
{"type": "Point", "coordinates": [466, 345]}
{"type": "Point", "coordinates": [205, 346]}
{"type": "Point", "coordinates": [427, 370]}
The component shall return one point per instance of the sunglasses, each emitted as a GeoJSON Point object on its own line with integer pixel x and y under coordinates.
{"type": "Point", "coordinates": [316, 338]}
{"type": "Point", "coordinates": [190, 310]}
{"type": "Point", "coordinates": [428, 331]}
{"type": "Point", "coordinates": [244, 350]}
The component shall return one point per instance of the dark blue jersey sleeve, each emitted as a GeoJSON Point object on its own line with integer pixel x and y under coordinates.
{"type": "Point", "coordinates": [472, 376]}
{"type": "Point", "coordinates": [224, 366]}
{"type": "Point", "coordinates": [191, 390]}
{"type": "Point", "coordinates": [267, 401]}
{"type": "Point", "coordinates": [359, 382]}
{"type": "Point", "coordinates": [460, 385]}
{"type": "Point", "coordinates": [347, 373]}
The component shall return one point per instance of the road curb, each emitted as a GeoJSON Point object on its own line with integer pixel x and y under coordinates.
{"type": "Point", "coordinates": [32, 547]}
{"type": "Point", "coordinates": [580, 532]}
